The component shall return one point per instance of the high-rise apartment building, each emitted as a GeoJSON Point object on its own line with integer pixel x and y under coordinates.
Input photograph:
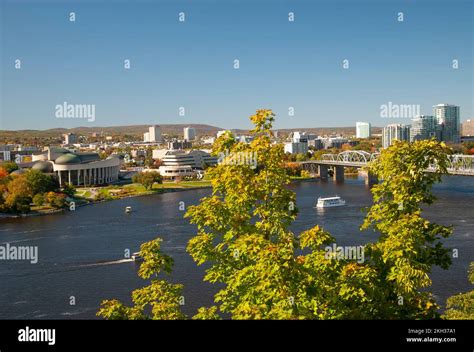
{"type": "Point", "coordinates": [449, 121]}
{"type": "Point", "coordinates": [395, 131]}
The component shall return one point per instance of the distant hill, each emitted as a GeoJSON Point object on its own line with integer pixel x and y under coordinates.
{"type": "Point", "coordinates": [169, 129]}
{"type": "Point", "coordinates": [114, 130]}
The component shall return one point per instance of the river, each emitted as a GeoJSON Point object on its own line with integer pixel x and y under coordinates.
{"type": "Point", "coordinates": [81, 253]}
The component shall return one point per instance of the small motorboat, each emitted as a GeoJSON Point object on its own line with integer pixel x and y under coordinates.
{"type": "Point", "coordinates": [128, 210]}
{"type": "Point", "coordinates": [330, 202]}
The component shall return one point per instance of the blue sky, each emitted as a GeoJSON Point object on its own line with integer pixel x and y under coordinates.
{"type": "Point", "coordinates": [190, 64]}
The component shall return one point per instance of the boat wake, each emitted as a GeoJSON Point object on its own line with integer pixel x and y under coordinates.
{"type": "Point", "coordinates": [105, 263]}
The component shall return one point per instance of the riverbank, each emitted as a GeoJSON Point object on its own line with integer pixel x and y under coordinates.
{"type": "Point", "coordinates": [94, 195]}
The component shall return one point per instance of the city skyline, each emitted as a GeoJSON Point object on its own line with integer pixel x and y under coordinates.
{"type": "Point", "coordinates": [287, 66]}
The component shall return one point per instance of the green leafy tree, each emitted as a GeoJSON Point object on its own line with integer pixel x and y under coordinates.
{"type": "Point", "coordinates": [147, 179]}
{"type": "Point", "coordinates": [265, 271]}
{"type": "Point", "coordinates": [69, 190]}
{"type": "Point", "coordinates": [39, 182]}
{"type": "Point", "coordinates": [38, 199]}
{"type": "Point", "coordinates": [461, 306]}
{"type": "Point", "coordinates": [244, 236]}
{"type": "Point", "coordinates": [58, 201]}
{"type": "Point", "coordinates": [159, 300]}
{"type": "Point", "coordinates": [409, 245]}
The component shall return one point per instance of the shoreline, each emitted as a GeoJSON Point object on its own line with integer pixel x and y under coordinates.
{"type": "Point", "coordinates": [92, 202]}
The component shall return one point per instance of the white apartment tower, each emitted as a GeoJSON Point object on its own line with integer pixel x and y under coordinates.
{"type": "Point", "coordinates": [153, 135]}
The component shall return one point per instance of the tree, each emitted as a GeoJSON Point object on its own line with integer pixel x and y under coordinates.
{"type": "Point", "coordinates": [9, 166]}
{"type": "Point", "coordinates": [159, 300]}
{"type": "Point", "coordinates": [409, 245]}
{"type": "Point", "coordinates": [38, 199]}
{"type": "Point", "coordinates": [59, 201]}
{"type": "Point", "coordinates": [39, 182]}
{"type": "Point", "coordinates": [147, 179]}
{"type": "Point", "coordinates": [56, 200]}
{"type": "Point", "coordinates": [3, 174]}
{"type": "Point", "coordinates": [18, 199]}
{"type": "Point", "coordinates": [265, 271]}
{"type": "Point", "coordinates": [461, 306]}
{"type": "Point", "coordinates": [69, 190]}
{"type": "Point", "coordinates": [244, 237]}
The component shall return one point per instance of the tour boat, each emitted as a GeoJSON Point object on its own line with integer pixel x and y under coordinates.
{"type": "Point", "coordinates": [330, 202]}
{"type": "Point", "coordinates": [128, 210]}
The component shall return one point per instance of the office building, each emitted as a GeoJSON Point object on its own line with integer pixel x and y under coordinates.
{"type": "Point", "coordinates": [70, 138]}
{"type": "Point", "coordinates": [179, 145]}
{"type": "Point", "coordinates": [189, 134]}
{"type": "Point", "coordinates": [296, 147]}
{"type": "Point", "coordinates": [363, 130]}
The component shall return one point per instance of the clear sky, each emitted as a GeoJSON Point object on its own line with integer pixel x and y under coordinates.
{"type": "Point", "coordinates": [190, 64]}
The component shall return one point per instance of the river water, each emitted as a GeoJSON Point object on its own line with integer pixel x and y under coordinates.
{"type": "Point", "coordinates": [81, 253]}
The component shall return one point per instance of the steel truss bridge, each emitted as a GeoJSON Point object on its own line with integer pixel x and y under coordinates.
{"type": "Point", "coordinates": [459, 164]}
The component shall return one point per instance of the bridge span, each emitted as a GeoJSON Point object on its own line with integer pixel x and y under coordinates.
{"type": "Point", "coordinates": [459, 164]}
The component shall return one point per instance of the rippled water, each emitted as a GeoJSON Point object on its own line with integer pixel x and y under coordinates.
{"type": "Point", "coordinates": [81, 253]}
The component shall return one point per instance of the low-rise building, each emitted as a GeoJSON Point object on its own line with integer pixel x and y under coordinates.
{"type": "Point", "coordinates": [79, 169]}
{"type": "Point", "coordinates": [176, 163]}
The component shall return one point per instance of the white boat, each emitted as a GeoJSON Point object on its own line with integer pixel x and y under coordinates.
{"type": "Point", "coordinates": [128, 210]}
{"type": "Point", "coordinates": [137, 257]}
{"type": "Point", "coordinates": [329, 202]}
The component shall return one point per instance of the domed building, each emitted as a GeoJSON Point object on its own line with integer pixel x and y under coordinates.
{"type": "Point", "coordinates": [79, 169]}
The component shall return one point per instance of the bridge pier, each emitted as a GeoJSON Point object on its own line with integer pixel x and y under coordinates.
{"type": "Point", "coordinates": [323, 172]}
{"type": "Point", "coordinates": [338, 173]}
{"type": "Point", "coordinates": [371, 179]}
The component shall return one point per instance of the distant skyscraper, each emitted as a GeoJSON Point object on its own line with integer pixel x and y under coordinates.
{"type": "Point", "coordinates": [153, 135]}
{"type": "Point", "coordinates": [395, 131]}
{"type": "Point", "coordinates": [362, 130]}
{"type": "Point", "coordinates": [423, 127]}
{"type": "Point", "coordinates": [189, 133]}
{"type": "Point", "coordinates": [448, 118]}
